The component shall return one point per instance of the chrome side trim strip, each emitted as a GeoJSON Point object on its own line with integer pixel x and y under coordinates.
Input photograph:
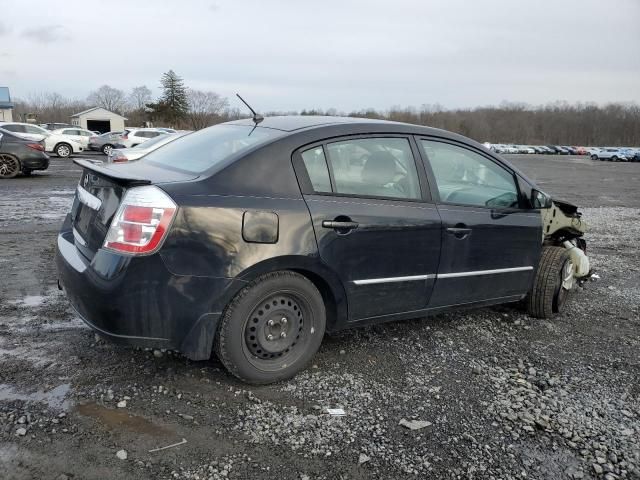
{"type": "Point", "coordinates": [371, 281]}
{"type": "Point", "coordinates": [484, 272]}
{"type": "Point", "coordinates": [94, 203]}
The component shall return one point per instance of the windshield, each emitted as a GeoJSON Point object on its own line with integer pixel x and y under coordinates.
{"type": "Point", "coordinates": [201, 150]}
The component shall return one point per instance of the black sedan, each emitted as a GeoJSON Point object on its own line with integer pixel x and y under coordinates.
{"type": "Point", "coordinates": [18, 154]}
{"type": "Point", "coordinates": [253, 239]}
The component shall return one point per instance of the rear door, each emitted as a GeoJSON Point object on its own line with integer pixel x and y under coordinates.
{"type": "Point", "coordinates": [374, 222]}
{"type": "Point", "coordinates": [490, 243]}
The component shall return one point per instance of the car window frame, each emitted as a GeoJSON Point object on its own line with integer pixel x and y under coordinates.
{"type": "Point", "coordinates": [522, 206]}
{"type": "Point", "coordinates": [306, 186]}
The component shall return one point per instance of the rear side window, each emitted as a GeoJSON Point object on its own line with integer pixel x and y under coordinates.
{"type": "Point", "coordinates": [468, 178]}
{"type": "Point", "coordinates": [201, 150]}
{"type": "Point", "coordinates": [374, 167]}
{"type": "Point", "coordinates": [316, 165]}
{"type": "Point", "coordinates": [14, 128]}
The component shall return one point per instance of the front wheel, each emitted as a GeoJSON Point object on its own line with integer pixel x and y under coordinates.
{"type": "Point", "coordinates": [614, 159]}
{"type": "Point", "coordinates": [553, 281]}
{"type": "Point", "coordinates": [106, 149]}
{"type": "Point", "coordinates": [272, 328]}
{"type": "Point", "coordinates": [63, 150]}
{"type": "Point", "coordinates": [594, 157]}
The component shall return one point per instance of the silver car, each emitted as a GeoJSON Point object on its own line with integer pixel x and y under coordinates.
{"type": "Point", "coordinates": [122, 155]}
{"type": "Point", "coordinates": [104, 143]}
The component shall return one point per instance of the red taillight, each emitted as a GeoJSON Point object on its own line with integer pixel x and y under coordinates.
{"type": "Point", "coordinates": [36, 146]}
{"type": "Point", "coordinates": [119, 158]}
{"type": "Point", "coordinates": [142, 221]}
{"type": "Point", "coordinates": [125, 136]}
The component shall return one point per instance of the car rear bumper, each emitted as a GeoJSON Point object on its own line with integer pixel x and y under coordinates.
{"type": "Point", "coordinates": [138, 301]}
{"type": "Point", "coordinates": [35, 161]}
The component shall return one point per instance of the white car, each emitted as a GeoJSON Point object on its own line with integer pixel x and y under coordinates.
{"type": "Point", "coordinates": [80, 135]}
{"type": "Point", "coordinates": [61, 145]}
{"type": "Point", "coordinates": [121, 155]}
{"type": "Point", "coordinates": [135, 136]}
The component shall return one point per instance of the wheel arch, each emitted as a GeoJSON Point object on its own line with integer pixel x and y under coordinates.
{"type": "Point", "coordinates": [325, 280]}
{"type": "Point", "coordinates": [197, 343]}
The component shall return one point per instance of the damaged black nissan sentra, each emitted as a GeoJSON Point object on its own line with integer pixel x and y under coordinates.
{"type": "Point", "coordinates": [252, 239]}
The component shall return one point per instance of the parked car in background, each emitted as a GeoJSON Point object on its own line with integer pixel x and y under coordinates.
{"type": "Point", "coordinates": [132, 137]}
{"type": "Point", "coordinates": [55, 126]}
{"type": "Point", "coordinates": [612, 154]}
{"type": "Point", "coordinates": [251, 240]}
{"type": "Point", "coordinates": [167, 130]}
{"type": "Point", "coordinates": [61, 145]}
{"type": "Point", "coordinates": [80, 135]}
{"type": "Point", "coordinates": [104, 143]}
{"type": "Point", "coordinates": [124, 155]}
{"type": "Point", "coordinates": [18, 154]}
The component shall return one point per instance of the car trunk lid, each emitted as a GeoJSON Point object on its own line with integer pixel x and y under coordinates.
{"type": "Point", "coordinates": [99, 193]}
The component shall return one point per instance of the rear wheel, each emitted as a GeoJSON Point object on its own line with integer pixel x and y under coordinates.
{"type": "Point", "coordinates": [63, 150]}
{"type": "Point", "coordinates": [9, 166]}
{"type": "Point", "coordinates": [106, 149]}
{"type": "Point", "coordinates": [614, 158]}
{"type": "Point", "coordinates": [272, 328]}
{"type": "Point", "coordinates": [552, 284]}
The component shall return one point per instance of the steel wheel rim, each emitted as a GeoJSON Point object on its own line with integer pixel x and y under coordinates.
{"type": "Point", "coordinates": [9, 166]}
{"type": "Point", "coordinates": [271, 355]}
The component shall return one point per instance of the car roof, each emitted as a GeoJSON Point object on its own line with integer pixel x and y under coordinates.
{"type": "Point", "coordinates": [290, 123]}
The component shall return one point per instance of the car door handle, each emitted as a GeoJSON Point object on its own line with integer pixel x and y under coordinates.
{"type": "Point", "coordinates": [459, 232]}
{"type": "Point", "coordinates": [339, 225]}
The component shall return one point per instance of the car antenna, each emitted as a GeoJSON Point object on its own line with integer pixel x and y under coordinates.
{"type": "Point", "coordinates": [257, 118]}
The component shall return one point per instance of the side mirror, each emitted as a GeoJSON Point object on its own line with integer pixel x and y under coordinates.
{"type": "Point", "coordinates": [540, 199]}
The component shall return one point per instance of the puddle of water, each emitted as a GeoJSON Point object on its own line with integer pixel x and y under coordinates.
{"type": "Point", "coordinates": [120, 419]}
{"type": "Point", "coordinates": [55, 398]}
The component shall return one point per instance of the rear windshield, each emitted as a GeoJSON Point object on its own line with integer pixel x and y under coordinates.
{"type": "Point", "coordinates": [199, 151]}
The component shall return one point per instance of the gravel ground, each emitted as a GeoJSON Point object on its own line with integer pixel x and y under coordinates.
{"type": "Point", "coordinates": [490, 393]}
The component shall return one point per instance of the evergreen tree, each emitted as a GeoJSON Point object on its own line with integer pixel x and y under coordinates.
{"type": "Point", "coordinates": [174, 103]}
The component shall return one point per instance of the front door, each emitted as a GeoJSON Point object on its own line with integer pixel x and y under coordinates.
{"type": "Point", "coordinates": [490, 245]}
{"type": "Point", "coordinates": [374, 222]}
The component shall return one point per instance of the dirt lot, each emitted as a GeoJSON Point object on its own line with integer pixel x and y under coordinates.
{"type": "Point", "coordinates": [505, 396]}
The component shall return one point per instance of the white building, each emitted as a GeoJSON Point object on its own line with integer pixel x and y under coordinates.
{"type": "Point", "coordinates": [99, 119]}
{"type": "Point", "coordinates": [6, 106]}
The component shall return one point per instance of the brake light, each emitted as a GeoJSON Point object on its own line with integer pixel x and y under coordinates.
{"type": "Point", "coordinates": [125, 136]}
{"type": "Point", "coordinates": [36, 146]}
{"type": "Point", "coordinates": [119, 158]}
{"type": "Point", "coordinates": [141, 222]}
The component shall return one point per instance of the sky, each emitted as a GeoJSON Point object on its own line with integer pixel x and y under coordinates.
{"type": "Point", "coordinates": [287, 55]}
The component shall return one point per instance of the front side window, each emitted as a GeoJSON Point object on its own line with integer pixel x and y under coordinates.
{"type": "Point", "coordinates": [468, 178]}
{"type": "Point", "coordinates": [374, 167]}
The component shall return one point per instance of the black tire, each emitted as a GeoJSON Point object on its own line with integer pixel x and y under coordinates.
{"type": "Point", "coordinates": [614, 159]}
{"type": "Point", "coordinates": [548, 296]}
{"type": "Point", "coordinates": [63, 150]}
{"type": "Point", "coordinates": [594, 157]}
{"type": "Point", "coordinates": [249, 341]}
{"type": "Point", "coordinates": [9, 166]}
{"type": "Point", "coordinates": [106, 149]}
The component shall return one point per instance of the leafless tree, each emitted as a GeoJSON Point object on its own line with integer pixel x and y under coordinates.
{"type": "Point", "coordinates": [205, 108]}
{"type": "Point", "coordinates": [108, 97]}
{"type": "Point", "coordinates": [139, 97]}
